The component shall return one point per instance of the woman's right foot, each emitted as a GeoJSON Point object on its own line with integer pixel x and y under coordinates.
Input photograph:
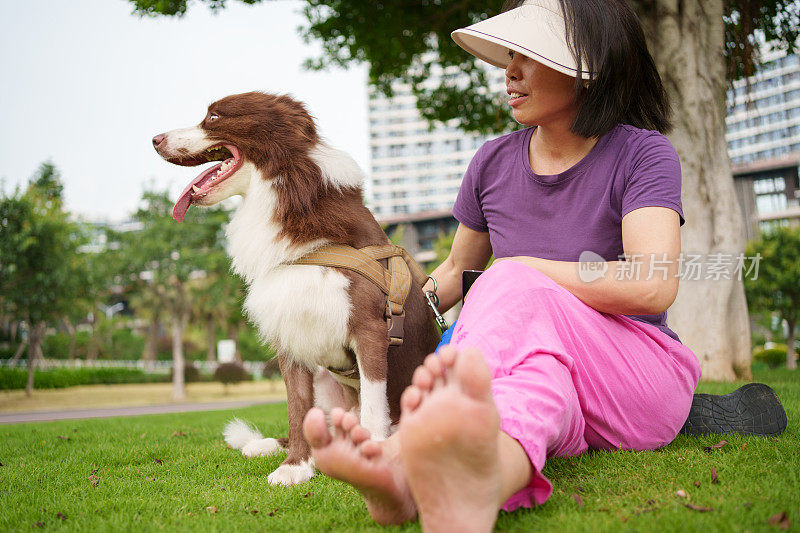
{"type": "Point", "coordinates": [373, 468]}
{"type": "Point", "coordinates": [449, 431]}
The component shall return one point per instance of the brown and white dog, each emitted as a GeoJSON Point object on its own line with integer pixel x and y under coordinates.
{"type": "Point", "coordinates": [299, 194]}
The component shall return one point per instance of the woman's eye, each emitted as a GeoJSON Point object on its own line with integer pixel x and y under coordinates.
{"type": "Point", "coordinates": [511, 54]}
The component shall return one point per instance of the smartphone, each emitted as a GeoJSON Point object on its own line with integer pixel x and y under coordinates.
{"type": "Point", "coordinates": [468, 277]}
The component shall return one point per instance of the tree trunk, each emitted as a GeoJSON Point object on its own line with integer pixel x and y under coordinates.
{"type": "Point", "coordinates": [72, 337]}
{"type": "Point", "coordinates": [233, 333]}
{"type": "Point", "coordinates": [19, 352]}
{"type": "Point", "coordinates": [34, 353]}
{"type": "Point", "coordinates": [94, 348]}
{"type": "Point", "coordinates": [151, 342]}
{"type": "Point", "coordinates": [710, 316]}
{"type": "Point", "coordinates": [211, 349]}
{"type": "Point", "coordinates": [791, 362]}
{"type": "Point", "coordinates": [179, 320]}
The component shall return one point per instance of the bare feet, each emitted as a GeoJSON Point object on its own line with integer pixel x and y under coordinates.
{"type": "Point", "coordinates": [372, 468]}
{"type": "Point", "coordinates": [448, 440]}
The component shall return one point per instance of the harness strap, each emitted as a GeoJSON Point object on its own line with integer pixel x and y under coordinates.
{"type": "Point", "coordinates": [395, 281]}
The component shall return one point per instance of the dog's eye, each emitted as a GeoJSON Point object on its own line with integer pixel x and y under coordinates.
{"type": "Point", "coordinates": [212, 116]}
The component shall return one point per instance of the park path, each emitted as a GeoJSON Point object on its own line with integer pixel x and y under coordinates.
{"type": "Point", "coordinates": [43, 416]}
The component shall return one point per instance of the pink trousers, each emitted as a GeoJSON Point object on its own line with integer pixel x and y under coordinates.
{"type": "Point", "coordinates": [566, 377]}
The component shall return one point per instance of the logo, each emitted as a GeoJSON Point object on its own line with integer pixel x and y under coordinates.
{"type": "Point", "coordinates": [591, 266]}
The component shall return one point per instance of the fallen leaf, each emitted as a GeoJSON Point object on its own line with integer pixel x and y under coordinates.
{"type": "Point", "coordinates": [94, 480]}
{"type": "Point", "coordinates": [681, 494]}
{"type": "Point", "coordinates": [716, 446]}
{"type": "Point", "coordinates": [744, 445]}
{"type": "Point", "coordinates": [253, 511]}
{"type": "Point", "coordinates": [603, 509]}
{"type": "Point", "coordinates": [714, 478]}
{"type": "Point", "coordinates": [177, 433]}
{"type": "Point", "coordinates": [698, 508]}
{"type": "Point", "coordinates": [697, 484]}
{"type": "Point", "coordinates": [211, 509]}
{"type": "Point", "coordinates": [61, 516]}
{"type": "Point", "coordinates": [780, 521]}
{"type": "Point", "coordinates": [272, 513]}
{"type": "Point", "coordinates": [62, 438]}
{"type": "Point", "coordinates": [578, 499]}
{"type": "Point", "coordinates": [650, 502]}
{"type": "Point", "coordinates": [308, 494]}
{"type": "Point", "coordinates": [38, 524]}
{"type": "Point", "coordinates": [158, 461]}
{"type": "Point", "coordinates": [190, 513]}
{"type": "Point", "coordinates": [580, 489]}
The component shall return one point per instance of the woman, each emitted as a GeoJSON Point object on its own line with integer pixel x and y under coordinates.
{"type": "Point", "coordinates": [544, 361]}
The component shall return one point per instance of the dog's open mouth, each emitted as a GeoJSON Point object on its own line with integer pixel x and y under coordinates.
{"type": "Point", "coordinates": [209, 178]}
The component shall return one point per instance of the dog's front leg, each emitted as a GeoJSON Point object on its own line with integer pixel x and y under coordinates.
{"type": "Point", "coordinates": [298, 466]}
{"type": "Point", "coordinates": [371, 353]}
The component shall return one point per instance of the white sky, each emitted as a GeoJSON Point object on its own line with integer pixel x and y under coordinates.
{"type": "Point", "coordinates": [87, 84]}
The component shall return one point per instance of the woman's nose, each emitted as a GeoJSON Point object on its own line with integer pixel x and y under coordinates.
{"type": "Point", "coordinates": [512, 70]}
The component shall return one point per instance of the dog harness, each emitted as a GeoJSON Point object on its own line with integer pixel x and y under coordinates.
{"type": "Point", "coordinates": [395, 282]}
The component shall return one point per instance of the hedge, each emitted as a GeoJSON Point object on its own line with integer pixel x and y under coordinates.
{"type": "Point", "coordinates": [57, 378]}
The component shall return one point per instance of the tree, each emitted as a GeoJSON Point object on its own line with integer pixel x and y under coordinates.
{"type": "Point", "coordinates": [164, 257]}
{"type": "Point", "coordinates": [40, 273]}
{"type": "Point", "coordinates": [699, 47]}
{"type": "Point", "coordinates": [776, 288]}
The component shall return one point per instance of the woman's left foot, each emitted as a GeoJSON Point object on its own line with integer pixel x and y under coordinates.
{"type": "Point", "coordinates": [753, 409]}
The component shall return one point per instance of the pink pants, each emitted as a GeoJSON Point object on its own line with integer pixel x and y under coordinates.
{"type": "Point", "coordinates": [566, 377]}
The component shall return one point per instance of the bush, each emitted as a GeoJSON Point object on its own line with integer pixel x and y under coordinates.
{"type": "Point", "coordinates": [231, 373]}
{"type": "Point", "coordinates": [191, 374]}
{"type": "Point", "coordinates": [772, 357]}
{"type": "Point", "coordinates": [59, 378]}
{"type": "Point", "coordinates": [271, 368]}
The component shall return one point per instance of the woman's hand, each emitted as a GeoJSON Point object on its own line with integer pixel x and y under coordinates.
{"type": "Point", "coordinates": [471, 250]}
{"type": "Point", "coordinates": [645, 284]}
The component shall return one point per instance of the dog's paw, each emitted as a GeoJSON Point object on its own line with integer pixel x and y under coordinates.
{"type": "Point", "coordinates": [239, 433]}
{"type": "Point", "coordinates": [292, 474]}
{"type": "Point", "coordinates": [261, 447]}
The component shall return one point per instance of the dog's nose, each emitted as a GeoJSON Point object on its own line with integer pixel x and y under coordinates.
{"type": "Point", "coordinates": [158, 139]}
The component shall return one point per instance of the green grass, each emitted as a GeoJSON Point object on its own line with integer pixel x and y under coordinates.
{"type": "Point", "coordinates": [43, 475]}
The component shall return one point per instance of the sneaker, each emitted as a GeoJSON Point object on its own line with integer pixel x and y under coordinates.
{"type": "Point", "coordinates": [753, 409]}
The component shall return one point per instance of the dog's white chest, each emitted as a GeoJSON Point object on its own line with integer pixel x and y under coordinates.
{"type": "Point", "coordinates": [304, 311]}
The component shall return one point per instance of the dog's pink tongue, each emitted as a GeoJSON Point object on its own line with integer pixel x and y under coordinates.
{"type": "Point", "coordinates": [183, 203]}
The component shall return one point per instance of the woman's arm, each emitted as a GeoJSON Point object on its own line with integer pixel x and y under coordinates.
{"type": "Point", "coordinates": [648, 233]}
{"type": "Point", "coordinates": [471, 250]}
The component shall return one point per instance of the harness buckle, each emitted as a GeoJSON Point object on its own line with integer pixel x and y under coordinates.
{"type": "Point", "coordinates": [395, 323]}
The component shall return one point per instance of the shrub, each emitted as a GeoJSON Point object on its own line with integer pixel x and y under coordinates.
{"type": "Point", "coordinates": [58, 378]}
{"type": "Point", "coordinates": [271, 368]}
{"type": "Point", "coordinates": [228, 373]}
{"type": "Point", "coordinates": [191, 374]}
{"type": "Point", "coordinates": [773, 357]}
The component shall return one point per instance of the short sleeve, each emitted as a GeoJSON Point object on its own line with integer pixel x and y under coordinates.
{"type": "Point", "coordinates": [654, 178]}
{"type": "Point", "coordinates": [467, 208]}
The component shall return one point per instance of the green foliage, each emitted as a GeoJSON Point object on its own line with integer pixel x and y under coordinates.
{"type": "Point", "coordinates": [40, 270]}
{"type": "Point", "coordinates": [406, 41]}
{"type": "Point", "coordinates": [776, 287]}
{"type": "Point", "coordinates": [772, 357]}
{"type": "Point", "coordinates": [15, 378]}
{"type": "Point", "coordinates": [228, 373]}
{"type": "Point", "coordinates": [271, 369]}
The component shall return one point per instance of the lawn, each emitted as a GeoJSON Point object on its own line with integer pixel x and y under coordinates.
{"type": "Point", "coordinates": [174, 472]}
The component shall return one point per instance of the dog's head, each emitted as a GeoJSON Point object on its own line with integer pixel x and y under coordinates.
{"type": "Point", "coordinates": [244, 132]}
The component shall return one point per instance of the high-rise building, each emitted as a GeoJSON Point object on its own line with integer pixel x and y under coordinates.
{"type": "Point", "coordinates": [763, 136]}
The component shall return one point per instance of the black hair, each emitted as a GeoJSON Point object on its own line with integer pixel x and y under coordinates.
{"type": "Point", "coordinates": [607, 40]}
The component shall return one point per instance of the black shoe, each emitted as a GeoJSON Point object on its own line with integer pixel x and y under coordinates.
{"type": "Point", "coordinates": [753, 409]}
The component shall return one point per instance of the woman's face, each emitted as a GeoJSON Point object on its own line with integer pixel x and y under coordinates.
{"type": "Point", "coordinates": [548, 96]}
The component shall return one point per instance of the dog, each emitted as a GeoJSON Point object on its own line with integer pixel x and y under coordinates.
{"type": "Point", "coordinates": [300, 194]}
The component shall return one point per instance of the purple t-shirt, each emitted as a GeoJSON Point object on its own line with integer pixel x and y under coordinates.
{"type": "Point", "coordinates": [559, 216]}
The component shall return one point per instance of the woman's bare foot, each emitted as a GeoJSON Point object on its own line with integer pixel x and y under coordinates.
{"type": "Point", "coordinates": [448, 442]}
{"type": "Point", "coordinates": [372, 468]}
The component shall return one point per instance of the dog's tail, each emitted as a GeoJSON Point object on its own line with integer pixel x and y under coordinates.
{"type": "Point", "coordinates": [239, 434]}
